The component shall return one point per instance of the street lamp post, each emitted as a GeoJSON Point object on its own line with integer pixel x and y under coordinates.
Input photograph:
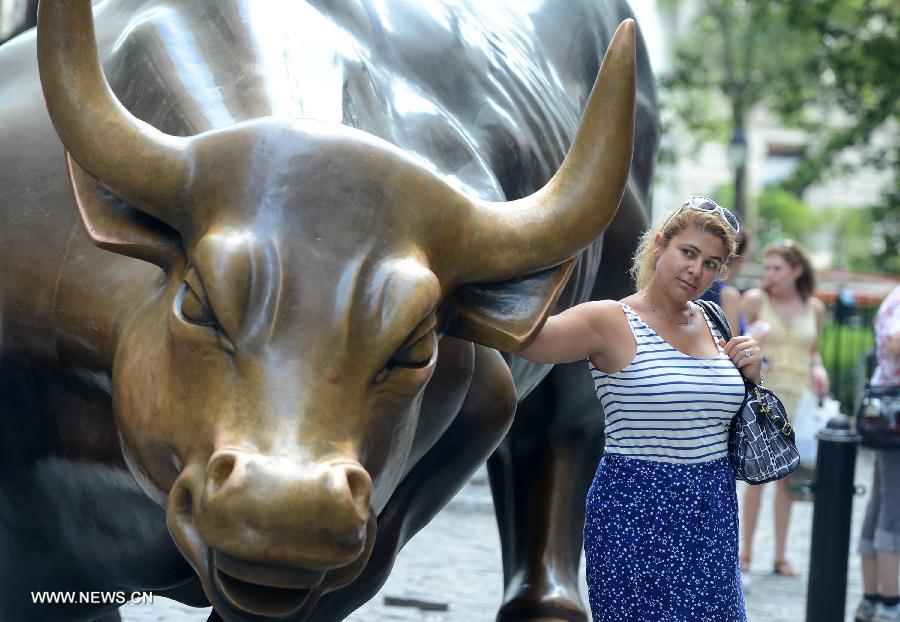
{"type": "Point", "coordinates": [737, 155]}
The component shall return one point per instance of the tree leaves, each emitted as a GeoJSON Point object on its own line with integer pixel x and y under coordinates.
{"type": "Point", "coordinates": [803, 60]}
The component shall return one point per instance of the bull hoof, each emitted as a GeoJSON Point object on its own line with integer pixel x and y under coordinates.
{"type": "Point", "coordinates": [531, 610]}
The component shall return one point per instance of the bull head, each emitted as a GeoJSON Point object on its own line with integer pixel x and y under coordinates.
{"type": "Point", "coordinates": [267, 392]}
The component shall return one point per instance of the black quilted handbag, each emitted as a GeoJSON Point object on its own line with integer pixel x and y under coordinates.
{"type": "Point", "coordinates": [761, 445]}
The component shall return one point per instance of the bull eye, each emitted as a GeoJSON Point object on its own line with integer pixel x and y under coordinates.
{"type": "Point", "coordinates": [195, 310]}
{"type": "Point", "coordinates": [193, 303]}
{"type": "Point", "coordinates": [417, 354]}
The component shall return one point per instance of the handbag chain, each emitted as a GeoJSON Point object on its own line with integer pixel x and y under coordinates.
{"type": "Point", "coordinates": [787, 428]}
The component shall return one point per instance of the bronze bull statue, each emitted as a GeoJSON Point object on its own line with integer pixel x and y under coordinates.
{"type": "Point", "coordinates": [255, 274]}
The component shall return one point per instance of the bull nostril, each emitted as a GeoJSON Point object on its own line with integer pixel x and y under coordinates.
{"type": "Point", "coordinates": [219, 469]}
{"type": "Point", "coordinates": [181, 500]}
{"type": "Point", "coordinates": [360, 485]}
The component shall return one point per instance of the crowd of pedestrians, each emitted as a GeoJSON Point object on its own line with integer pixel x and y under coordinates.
{"type": "Point", "coordinates": [786, 319]}
{"type": "Point", "coordinates": [661, 523]}
{"type": "Point", "coordinates": [660, 534]}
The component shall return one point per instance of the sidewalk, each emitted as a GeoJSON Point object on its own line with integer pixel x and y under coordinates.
{"type": "Point", "coordinates": [451, 571]}
{"type": "Point", "coordinates": [771, 598]}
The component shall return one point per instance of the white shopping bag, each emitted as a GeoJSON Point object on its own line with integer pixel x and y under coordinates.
{"type": "Point", "coordinates": [811, 417]}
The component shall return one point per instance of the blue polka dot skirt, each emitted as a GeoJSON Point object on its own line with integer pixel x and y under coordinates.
{"type": "Point", "coordinates": [661, 542]}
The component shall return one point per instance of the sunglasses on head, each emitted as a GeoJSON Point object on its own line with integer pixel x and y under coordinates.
{"type": "Point", "coordinates": [708, 205]}
{"type": "Point", "coordinates": [703, 204]}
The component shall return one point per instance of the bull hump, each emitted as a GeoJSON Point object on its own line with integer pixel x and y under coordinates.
{"type": "Point", "coordinates": [380, 78]}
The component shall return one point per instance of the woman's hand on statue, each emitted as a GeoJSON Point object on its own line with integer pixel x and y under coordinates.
{"type": "Point", "coordinates": [744, 352]}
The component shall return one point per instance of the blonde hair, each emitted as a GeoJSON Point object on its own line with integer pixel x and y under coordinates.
{"type": "Point", "coordinates": [644, 266]}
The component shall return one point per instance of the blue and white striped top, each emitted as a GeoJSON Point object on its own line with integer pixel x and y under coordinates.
{"type": "Point", "coordinates": [668, 406]}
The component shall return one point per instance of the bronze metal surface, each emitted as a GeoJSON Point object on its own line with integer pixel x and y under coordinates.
{"type": "Point", "coordinates": [257, 258]}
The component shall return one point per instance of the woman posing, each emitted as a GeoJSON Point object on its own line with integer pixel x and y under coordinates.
{"type": "Point", "coordinates": [794, 318]}
{"type": "Point", "coordinates": [660, 532]}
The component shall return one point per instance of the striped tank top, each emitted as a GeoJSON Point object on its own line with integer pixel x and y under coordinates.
{"type": "Point", "coordinates": [668, 406]}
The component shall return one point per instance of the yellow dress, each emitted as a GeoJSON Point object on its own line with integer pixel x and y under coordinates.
{"type": "Point", "coordinates": [787, 351]}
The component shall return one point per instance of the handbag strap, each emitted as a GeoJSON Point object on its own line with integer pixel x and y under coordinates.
{"type": "Point", "coordinates": [717, 316]}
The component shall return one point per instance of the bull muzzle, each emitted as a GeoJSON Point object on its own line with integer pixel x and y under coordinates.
{"type": "Point", "coordinates": [267, 532]}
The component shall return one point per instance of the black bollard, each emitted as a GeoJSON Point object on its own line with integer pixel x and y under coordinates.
{"type": "Point", "coordinates": [826, 594]}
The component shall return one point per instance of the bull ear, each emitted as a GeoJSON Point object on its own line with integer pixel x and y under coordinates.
{"type": "Point", "coordinates": [506, 314]}
{"type": "Point", "coordinates": [116, 226]}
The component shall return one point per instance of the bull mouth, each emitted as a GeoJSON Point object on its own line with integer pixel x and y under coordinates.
{"type": "Point", "coordinates": [244, 591]}
{"type": "Point", "coordinates": [273, 576]}
{"type": "Point", "coordinates": [264, 591]}
{"type": "Point", "coordinates": [251, 591]}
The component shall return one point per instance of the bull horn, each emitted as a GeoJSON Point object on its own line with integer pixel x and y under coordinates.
{"type": "Point", "coordinates": [544, 229]}
{"type": "Point", "coordinates": [140, 164]}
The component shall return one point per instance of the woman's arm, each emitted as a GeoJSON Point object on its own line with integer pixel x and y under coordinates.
{"type": "Point", "coordinates": [751, 303]}
{"type": "Point", "coordinates": [751, 307]}
{"type": "Point", "coordinates": [731, 305]}
{"type": "Point", "coordinates": [894, 344]}
{"type": "Point", "coordinates": [817, 370]}
{"type": "Point", "coordinates": [571, 335]}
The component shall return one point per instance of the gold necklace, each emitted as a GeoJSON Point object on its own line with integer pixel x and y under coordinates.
{"type": "Point", "coordinates": [665, 317]}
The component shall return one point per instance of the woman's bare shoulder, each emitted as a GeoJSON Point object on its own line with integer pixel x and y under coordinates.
{"type": "Point", "coordinates": [598, 308]}
{"type": "Point", "coordinates": [818, 308]}
{"type": "Point", "coordinates": [599, 313]}
{"type": "Point", "coordinates": [751, 303]}
{"type": "Point", "coordinates": [754, 294]}
{"type": "Point", "coordinates": [730, 294]}
{"type": "Point", "coordinates": [610, 307]}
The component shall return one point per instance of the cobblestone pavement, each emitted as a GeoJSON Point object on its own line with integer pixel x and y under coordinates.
{"type": "Point", "coordinates": [455, 563]}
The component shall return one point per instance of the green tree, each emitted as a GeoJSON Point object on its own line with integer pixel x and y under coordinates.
{"type": "Point", "coordinates": [740, 53]}
{"type": "Point", "coordinates": [886, 219]}
{"type": "Point", "coordinates": [881, 231]}
{"type": "Point", "coordinates": [868, 239]}
{"type": "Point", "coordinates": [798, 58]}
{"type": "Point", "coordinates": [783, 212]}
{"type": "Point", "coordinates": [854, 68]}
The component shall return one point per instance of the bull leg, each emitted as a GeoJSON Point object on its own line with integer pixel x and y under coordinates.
{"type": "Point", "coordinates": [539, 477]}
{"type": "Point", "coordinates": [480, 425]}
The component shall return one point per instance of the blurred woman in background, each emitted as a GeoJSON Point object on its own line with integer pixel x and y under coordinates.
{"type": "Point", "coordinates": [787, 320]}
